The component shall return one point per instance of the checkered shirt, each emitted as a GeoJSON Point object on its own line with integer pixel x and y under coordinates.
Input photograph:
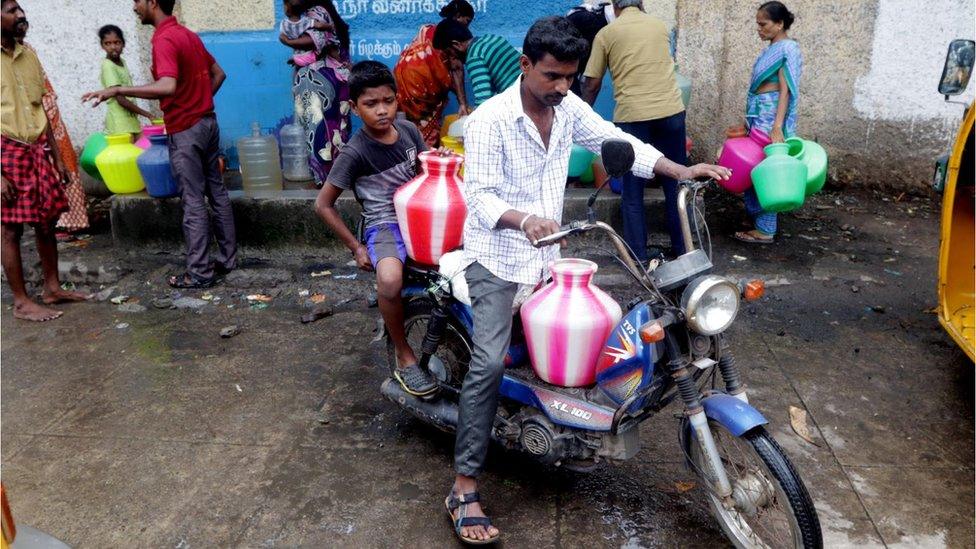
{"type": "Point", "coordinates": [507, 167]}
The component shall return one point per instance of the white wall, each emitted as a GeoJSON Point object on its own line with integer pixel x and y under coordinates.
{"type": "Point", "coordinates": [65, 35]}
{"type": "Point", "coordinates": [907, 55]}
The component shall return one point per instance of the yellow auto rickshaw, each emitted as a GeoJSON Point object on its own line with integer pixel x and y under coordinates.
{"type": "Point", "coordinates": [954, 177]}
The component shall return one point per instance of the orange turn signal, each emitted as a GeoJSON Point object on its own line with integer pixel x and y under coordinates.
{"type": "Point", "coordinates": [754, 290]}
{"type": "Point", "coordinates": [652, 332]}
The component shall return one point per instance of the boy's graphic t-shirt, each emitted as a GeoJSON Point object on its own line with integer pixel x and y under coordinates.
{"type": "Point", "coordinates": [117, 118]}
{"type": "Point", "coordinates": [374, 171]}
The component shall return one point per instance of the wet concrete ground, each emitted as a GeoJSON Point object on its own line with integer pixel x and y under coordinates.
{"type": "Point", "coordinates": [146, 428]}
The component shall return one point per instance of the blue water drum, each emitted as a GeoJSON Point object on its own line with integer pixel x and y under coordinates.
{"type": "Point", "coordinates": [155, 169]}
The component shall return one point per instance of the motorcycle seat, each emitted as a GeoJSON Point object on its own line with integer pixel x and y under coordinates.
{"type": "Point", "coordinates": [452, 266]}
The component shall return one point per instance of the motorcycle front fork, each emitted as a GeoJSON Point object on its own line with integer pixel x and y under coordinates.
{"type": "Point", "coordinates": [695, 412]}
{"type": "Point", "coordinates": [436, 327]}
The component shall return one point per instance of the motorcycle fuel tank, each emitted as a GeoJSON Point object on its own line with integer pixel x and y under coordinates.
{"type": "Point", "coordinates": [626, 364]}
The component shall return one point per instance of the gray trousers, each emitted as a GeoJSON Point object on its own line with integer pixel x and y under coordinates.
{"type": "Point", "coordinates": [193, 157]}
{"type": "Point", "coordinates": [491, 305]}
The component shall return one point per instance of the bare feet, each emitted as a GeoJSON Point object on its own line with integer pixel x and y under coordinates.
{"type": "Point", "coordinates": [28, 310]}
{"type": "Point", "coordinates": [50, 297]}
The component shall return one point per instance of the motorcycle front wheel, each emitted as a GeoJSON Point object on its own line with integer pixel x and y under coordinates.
{"type": "Point", "coordinates": [769, 505]}
{"type": "Point", "coordinates": [450, 363]}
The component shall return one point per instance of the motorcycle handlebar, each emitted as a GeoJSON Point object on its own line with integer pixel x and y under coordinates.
{"type": "Point", "coordinates": [582, 226]}
{"type": "Point", "coordinates": [563, 232]}
{"type": "Point", "coordinates": [694, 185]}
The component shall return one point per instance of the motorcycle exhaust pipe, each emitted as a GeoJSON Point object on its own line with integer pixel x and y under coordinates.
{"type": "Point", "coordinates": [440, 413]}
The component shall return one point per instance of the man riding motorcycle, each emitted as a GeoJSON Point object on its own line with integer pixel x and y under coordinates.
{"type": "Point", "coordinates": [517, 150]}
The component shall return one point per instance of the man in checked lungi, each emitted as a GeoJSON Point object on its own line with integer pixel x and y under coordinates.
{"type": "Point", "coordinates": [32, 171]}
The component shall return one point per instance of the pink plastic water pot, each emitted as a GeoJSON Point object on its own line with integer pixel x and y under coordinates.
{"type": "Point", "coordinates": [567, 323]}
{"type": "Point", "coordinates": [430, 208]}
{"type": "Point", "coordinates": [147, 132]}
{"type": "Point", "coordinates": [741, 155]}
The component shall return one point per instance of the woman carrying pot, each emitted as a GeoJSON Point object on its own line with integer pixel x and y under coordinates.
{"type": "Point", "coordinates": [424, 76]}
{"type": "Point", "coordinates": [771, 103]}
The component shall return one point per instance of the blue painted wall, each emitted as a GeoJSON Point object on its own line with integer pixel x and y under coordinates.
{"type": "Point", "coordinates": [258, 86]}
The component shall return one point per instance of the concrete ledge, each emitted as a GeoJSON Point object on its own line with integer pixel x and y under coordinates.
{"type": "Point", "coordinates": [287, 218]}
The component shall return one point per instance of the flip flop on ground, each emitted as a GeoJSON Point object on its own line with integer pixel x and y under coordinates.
{"type": "Point", "coordinates": [753, 237]}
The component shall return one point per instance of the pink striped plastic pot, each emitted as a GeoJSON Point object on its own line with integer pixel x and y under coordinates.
{"type": "Point", "coordinates": [430, 208]}
{"type": "Point", "coordinates": [567, 323]}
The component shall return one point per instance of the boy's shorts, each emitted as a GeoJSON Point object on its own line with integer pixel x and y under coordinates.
{"type": "Point", "coordinates": [385, 240]}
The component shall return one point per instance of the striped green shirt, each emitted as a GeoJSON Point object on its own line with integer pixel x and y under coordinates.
{"type": "Point", "coordinates": [492, 65]}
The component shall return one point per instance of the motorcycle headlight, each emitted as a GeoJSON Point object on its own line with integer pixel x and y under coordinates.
{"type": "Point", "coordinates": [710, 303]}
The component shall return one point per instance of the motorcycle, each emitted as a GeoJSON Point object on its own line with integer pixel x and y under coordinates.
{"type": "Point", "coordinates": [669, 346]}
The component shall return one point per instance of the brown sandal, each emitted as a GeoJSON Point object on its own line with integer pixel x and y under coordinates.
{"type": "Point", "coordinates": [751, 238]}
{"type": "Point", "coordinates": [460, 521]}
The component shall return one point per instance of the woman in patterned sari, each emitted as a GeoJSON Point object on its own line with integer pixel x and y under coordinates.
{"type": "Point", "coordinates": [322, 95]}
{"type": "Point", "coordinates": [76, 218]}
{"type": "Point", "coordinates": [771, 103]}
{"type": "Point", "coordinates": [424, 77]}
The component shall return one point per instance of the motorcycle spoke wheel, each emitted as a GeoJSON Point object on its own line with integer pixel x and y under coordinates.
{"type": "Point", "coordinates": [450, 363]}
{"type": "Point", "coordinates": [769, 506]}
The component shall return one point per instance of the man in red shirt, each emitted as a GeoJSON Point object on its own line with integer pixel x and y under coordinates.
{"type": "Point", "coordinates": [186, 79]}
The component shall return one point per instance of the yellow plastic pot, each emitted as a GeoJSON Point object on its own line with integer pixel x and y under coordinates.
{"type": "Point", "coordinates": [117, 164]}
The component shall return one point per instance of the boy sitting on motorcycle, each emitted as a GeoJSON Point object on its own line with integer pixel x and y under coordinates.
{"type": "Point", "coordinates": [375, 162]}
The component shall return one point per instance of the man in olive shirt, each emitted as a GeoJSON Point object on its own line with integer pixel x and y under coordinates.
{"type": "Point", "coordinates": [636, 48]}
{"type": "Point", "coordinates": [33, 174]}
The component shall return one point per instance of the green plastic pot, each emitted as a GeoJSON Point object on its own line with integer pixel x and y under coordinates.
{"type": "Point", "coordinates": [579, 160]}
{"type": "Point", "coordinates": [93, 147]}
{"type": "Point", "coordinates": [780, 180]}
{"type": "Point", "coordinates": [814, 157]}
{"type": "Point", "coordinates": [587, 176]}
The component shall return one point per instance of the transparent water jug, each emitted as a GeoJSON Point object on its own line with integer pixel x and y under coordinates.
{"type": "Point", "coordinates": [260, 163]}
{"type": "Point", "coordinates": [294, 153]}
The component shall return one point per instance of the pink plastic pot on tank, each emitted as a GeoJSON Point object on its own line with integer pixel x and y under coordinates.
{"type": "Point", "coordinates": [741, 155]}
{"type": "Point", "coordinates": [567, 323]}
{"type": "Point", "coordinates": [147, 132]}
{"type": "Point", "coordinates": [430, 208]}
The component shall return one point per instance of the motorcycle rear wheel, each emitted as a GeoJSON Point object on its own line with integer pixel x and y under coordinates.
{"type": "Point", "coordinates": [450, 363]}
{"type": "Point", "coordinates": [770, 505]}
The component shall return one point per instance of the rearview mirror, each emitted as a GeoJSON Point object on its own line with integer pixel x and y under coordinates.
{"type": "Point", "coordinates": [958, 67]}
{"type": "Point", "coordinates": [618, 157]}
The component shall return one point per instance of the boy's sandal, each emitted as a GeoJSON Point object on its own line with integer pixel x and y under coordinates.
{"type": "Point", "coordinates": [415, 381]}
{"type": "Point", "coordinates": [748, 237]}
{"type": "Point", "coordinates": [458, 503]}
{"type": "Point", "coordinates": [186, 281]}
